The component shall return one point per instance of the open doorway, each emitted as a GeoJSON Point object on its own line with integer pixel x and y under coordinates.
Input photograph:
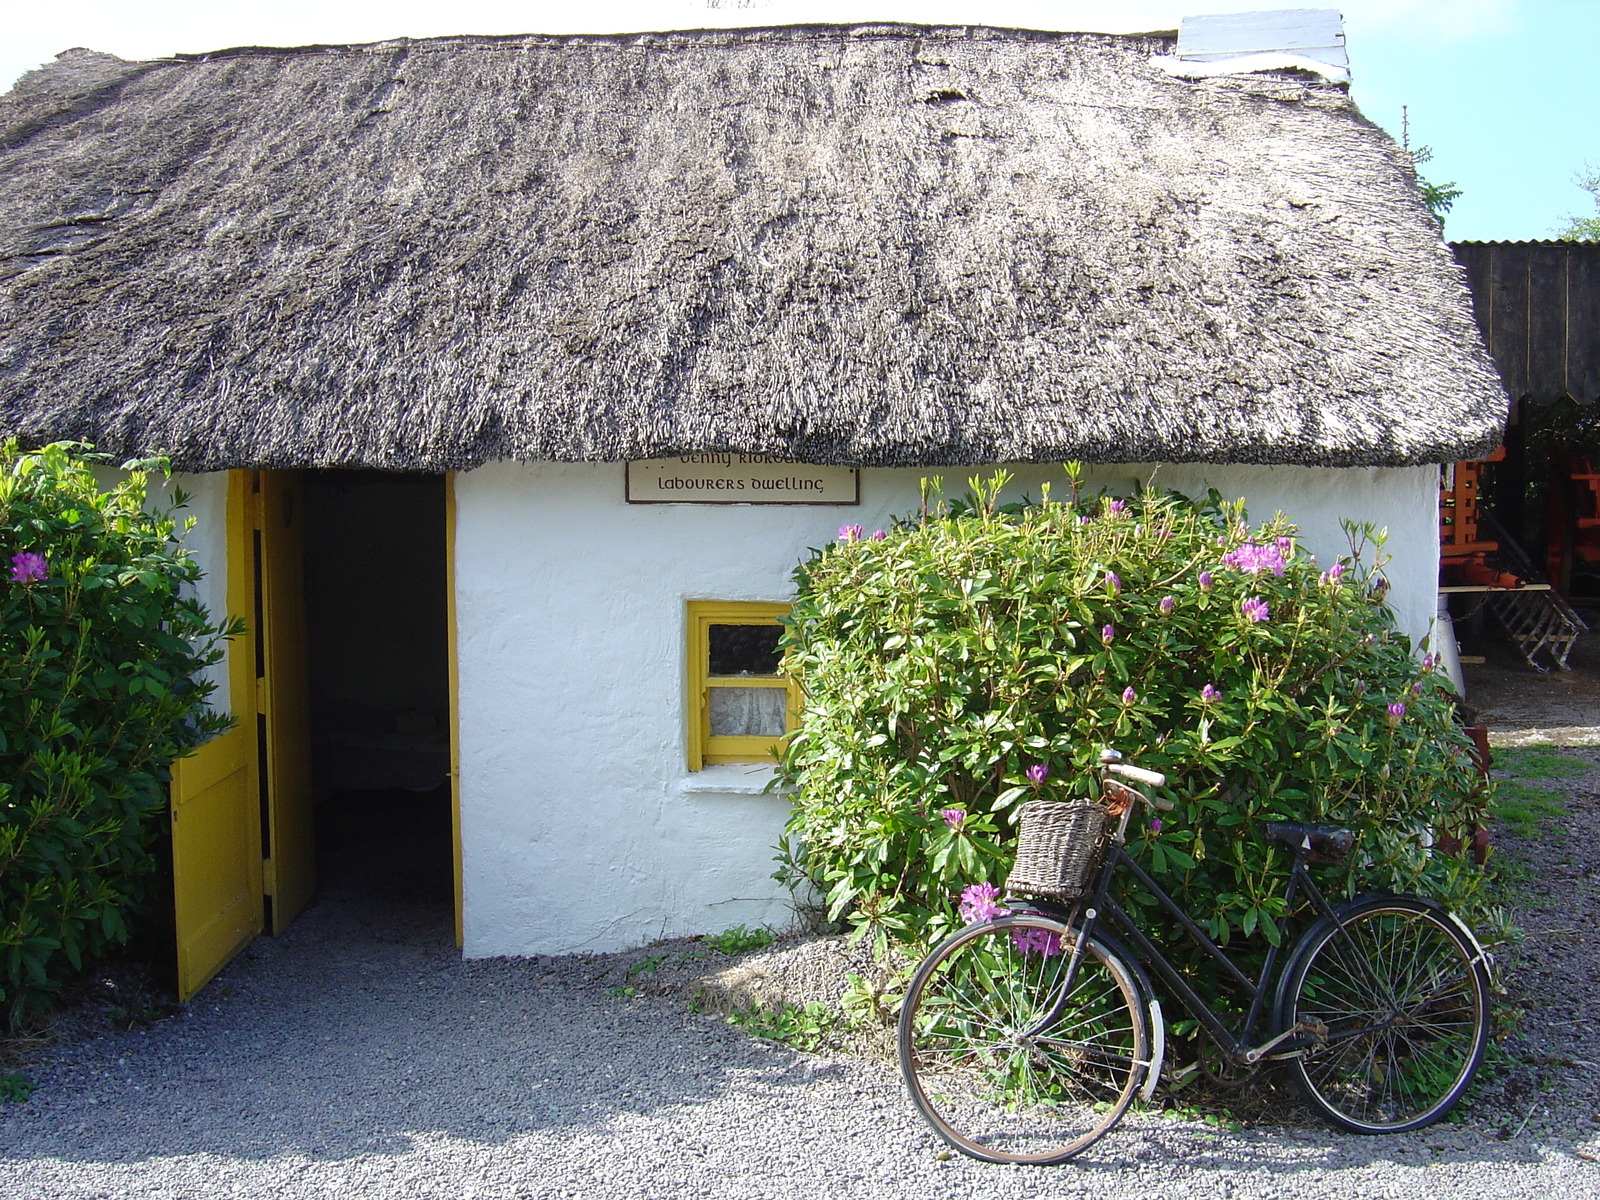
{"type": "Point", "coordinates": [378, 680]}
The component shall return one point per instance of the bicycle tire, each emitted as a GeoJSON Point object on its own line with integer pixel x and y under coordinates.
{"type": "Point", "coordinates": [1402, 990]}
{"type": "Point", "coordinates": [1000, 1063]}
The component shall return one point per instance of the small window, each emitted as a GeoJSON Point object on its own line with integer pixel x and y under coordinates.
{"type": "Point", "coordinates": [740, 706]}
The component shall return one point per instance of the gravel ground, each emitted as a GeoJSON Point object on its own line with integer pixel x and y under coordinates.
{"type": "Point", "coordinates": [1523, 707]}
{"type": "Point", "coordinates": [357, 1056]}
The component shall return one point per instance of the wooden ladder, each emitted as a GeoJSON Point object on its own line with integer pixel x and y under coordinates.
{"type": "Point", "coordinates": [1538, 623]}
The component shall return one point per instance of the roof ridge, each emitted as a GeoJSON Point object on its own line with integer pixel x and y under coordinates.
{"type": "Point", "coordinates": [713, 35]}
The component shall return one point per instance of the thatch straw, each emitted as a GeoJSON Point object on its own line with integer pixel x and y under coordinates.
{"type": "Point", "coordinates": [870, 245]}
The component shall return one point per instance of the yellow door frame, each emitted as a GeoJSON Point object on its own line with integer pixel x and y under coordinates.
{"type": "Point", "coordinates": [455, 693]}
{"type": "Point", "coordinates": [283, 698]}
{"type": "Point", "coordinates": [260, 768]}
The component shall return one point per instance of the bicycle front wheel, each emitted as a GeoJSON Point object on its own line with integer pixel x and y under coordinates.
{"type": "Point", "coordinates": [1400, 995]}
{"type": "Point", "coordinates": [1013, 1056]}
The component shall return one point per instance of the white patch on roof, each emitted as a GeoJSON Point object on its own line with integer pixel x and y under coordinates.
{"type": "Point", "coordinates": [1306, 39]}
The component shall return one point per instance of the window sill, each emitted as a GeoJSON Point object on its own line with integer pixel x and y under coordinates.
{"type": "Point", "coordinates": [731, 779]}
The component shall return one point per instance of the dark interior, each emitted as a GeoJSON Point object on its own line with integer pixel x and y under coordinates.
{"type": "Point", "coordinates": [376, 641]}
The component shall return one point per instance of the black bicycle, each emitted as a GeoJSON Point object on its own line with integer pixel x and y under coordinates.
{"type": "Point", "coordinates": [1025, 1038]}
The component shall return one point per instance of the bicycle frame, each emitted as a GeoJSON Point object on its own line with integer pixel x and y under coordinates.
{"type": "Point", "coordinates": [1102, 906]}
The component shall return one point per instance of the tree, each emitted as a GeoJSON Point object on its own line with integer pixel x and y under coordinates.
{"type": "Point", "coordinates": [975, 656]}
{"type": "Point", "coordinates": [1585, 229]}
{"type": "Point", "coordinates": [1439, 197]}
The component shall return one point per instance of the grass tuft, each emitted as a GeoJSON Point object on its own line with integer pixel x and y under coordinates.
{"type": "Point", "coordinates": [739, 940]}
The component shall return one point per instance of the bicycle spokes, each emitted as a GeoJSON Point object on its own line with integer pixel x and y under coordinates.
{"type": "Point", "coordinates": [1404, 1001]}
{"type": "Point", "coordinates": [1015, 1053]}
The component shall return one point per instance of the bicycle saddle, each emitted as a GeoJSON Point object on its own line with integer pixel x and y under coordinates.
{"type": "Point", "coordinates": [1325, 841]}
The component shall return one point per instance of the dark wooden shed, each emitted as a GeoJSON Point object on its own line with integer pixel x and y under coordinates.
{"type": "Point", "coordinates": [1538, 305]}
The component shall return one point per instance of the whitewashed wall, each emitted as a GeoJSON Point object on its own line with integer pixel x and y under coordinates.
{"type": "Point", "coordinates": [582, 828]}
{"type": "Point", "coordinates": [206, 541]}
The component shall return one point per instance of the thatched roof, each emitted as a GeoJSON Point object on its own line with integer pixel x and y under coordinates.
{"type": "Point", "coordinates": [870, 244]}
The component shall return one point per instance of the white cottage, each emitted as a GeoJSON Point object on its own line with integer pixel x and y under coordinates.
{"type": "Point", "coordinates": [512, 377]}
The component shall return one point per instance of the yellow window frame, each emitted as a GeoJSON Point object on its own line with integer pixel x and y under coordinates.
{"type": "Point", "coordinates": [704, 748]}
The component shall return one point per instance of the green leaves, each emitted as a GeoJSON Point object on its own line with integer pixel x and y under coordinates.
{"type": "Point", "coordinates": [98, 694]}
{"type": "Point", "coordinates": [977, 639]}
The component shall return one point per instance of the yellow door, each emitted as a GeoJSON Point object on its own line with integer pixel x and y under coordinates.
{"type": "Point", "coordinates": [289, 873]}
{"type": "Point", "coordinates": [216, 805]}
{"type": "Point", "coordinates": [241, 803]}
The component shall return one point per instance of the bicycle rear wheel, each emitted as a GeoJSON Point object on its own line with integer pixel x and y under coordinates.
{"type": "Point", "coordinates": [1008, 1059]}
{"type": "Point", "coordinates": [1403, 994]}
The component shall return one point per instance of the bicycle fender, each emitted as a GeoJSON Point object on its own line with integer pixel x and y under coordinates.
{"type": "Point", "coordinates": [1158, 1050]}
{"type": "Point", "coordinates": [1158, 1023]}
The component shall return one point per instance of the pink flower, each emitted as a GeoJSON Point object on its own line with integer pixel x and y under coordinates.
{"type": "Point", "coordinates": [1113, 583]}
{"type": "Point", "coordinates": [1036, 941]}
{"type": "Point", "coordinates": [1036, 773]}
{"type": "Point", "coordinates": [1209, 694]}
{"type": "Point", "coordinates": [1129, 695]}
{"type": "Point", "coordinates": [27, 567]}
{"type": "Point", "coordinates": [1205, 581]}
{"type": "Point", "coordinates": [849, 533]}
{"type": "Point", "coordinates": [1255, 609]}
{"type": "Point", "coordinates": [1117, 506]}
{"type": "Point", "coordinates": [1166, 606]}
{"type": "Point", "coordinates": [1108, 634]}
{"type": "Point", "coordinates": [953, 817]}
{"type": "Point", "coordinates": [1252, 559]}
{"type": "Point", "coordinates": [978, 903]}
{"type": "Point", "coordinates": [878, 535]}
{"type": "Point", "coordinates": [1333, 573]}
{"type": "Point", "coordinates": [1155, 824]}
{"type": "Point", "coordinates": [1396, 711]}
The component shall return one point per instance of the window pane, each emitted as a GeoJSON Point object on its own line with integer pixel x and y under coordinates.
{"type": "Point", "coordinates": [748, 712]}
{"type": "Point", "coordinates": [745, 649]}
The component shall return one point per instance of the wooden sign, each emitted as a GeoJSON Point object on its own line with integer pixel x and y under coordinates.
{"type": "Point", "coordinates": [739, 479]}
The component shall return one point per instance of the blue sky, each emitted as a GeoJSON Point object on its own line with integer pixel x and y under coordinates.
{"type": "Point", "coordinates": [1512, 112]}
{"type": "Point", "coordinates": [1503, 91]}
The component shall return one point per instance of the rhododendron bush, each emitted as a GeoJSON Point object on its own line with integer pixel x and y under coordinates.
{"type": "Point", "coordinates": [101, 647]}
{"type": "Point", "coordinates": [976, 656]}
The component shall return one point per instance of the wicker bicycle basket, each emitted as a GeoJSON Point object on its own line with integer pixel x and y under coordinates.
{"type": "Point", "coordinates": [1058, 848]}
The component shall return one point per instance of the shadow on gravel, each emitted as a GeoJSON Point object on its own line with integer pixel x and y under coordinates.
{"type": "Point", "coordinates": [361, 1035]}
{"type": "Point", "coordinates": [360, 1032]}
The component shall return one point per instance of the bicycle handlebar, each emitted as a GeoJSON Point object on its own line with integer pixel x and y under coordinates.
{"type": "Point", "coordinates": [1138, 774]}
{"type": "Point", "coordinates": [1148, 778]}
{"type": "Point", "coordinates": [1111, 764]}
